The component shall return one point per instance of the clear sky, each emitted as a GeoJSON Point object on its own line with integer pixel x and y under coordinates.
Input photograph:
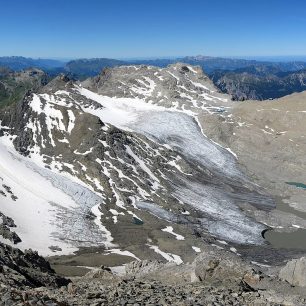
{"type": "Point", "coordinates": [134, 28]}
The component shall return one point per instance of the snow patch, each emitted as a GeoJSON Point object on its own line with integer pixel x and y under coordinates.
{"type": "Point", "coordinates": [196, 249]}
{"type": "Point", "coordinates": [169, 229]}
{"type": "Point", "coordinates": [168, 256]}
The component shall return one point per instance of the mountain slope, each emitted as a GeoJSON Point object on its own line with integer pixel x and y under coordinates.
{"type": "Point", "coordinates": [14, 85]}
{"type": "Point", "coordinates": [128, 167]}
{"type": "Point", "coordinates": [269, 140]}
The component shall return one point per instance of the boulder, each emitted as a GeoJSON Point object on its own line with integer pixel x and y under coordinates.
{"type": "Point", "coordinates": [103, 272]}
{"type": "Point", "coordinates": [294, 272]}
{"type": "Point", "coordinates": [214, 267]}
{"type": "Point", "coordinates": [253, 279]}
{"type": "Point", "coordinates": [140, 268]}
{"type": "Point", "coordinates": [219, 267]}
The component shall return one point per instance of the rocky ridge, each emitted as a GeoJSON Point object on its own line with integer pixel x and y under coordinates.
{"type": "Point", "coordinates": [15, 85]}
{"type": "Point", "coordinates": [214, 278]}
{"type": "Point", "coordinates": [26, 269]}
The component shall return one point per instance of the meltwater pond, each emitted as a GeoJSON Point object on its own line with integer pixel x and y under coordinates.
{"type": "Point", "coordinates": [295, 239]}
{"type": "Point", "coordinates": [298, 185]}
{"type": "Point", "coordinates": [291, 240]}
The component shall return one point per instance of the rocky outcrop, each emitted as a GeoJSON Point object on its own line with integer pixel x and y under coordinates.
{"type": "Point", "coordinates": [295, 272]}
{"type": "Point", "coordinates": [213, 266]}
{"type": "Point", "coordinates": [102, 273]}
{"type": "Point", "coordinates": [162, 285]}
{"type": "Point", "coordinates": [140, 268]}
{"type": "Point", "coordinates": [6, 225]}
{"type": "Point", "coordinates": [20, 269]}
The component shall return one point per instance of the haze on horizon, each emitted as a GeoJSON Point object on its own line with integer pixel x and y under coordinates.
{"type": "Point", "coordinates": [133, 29]}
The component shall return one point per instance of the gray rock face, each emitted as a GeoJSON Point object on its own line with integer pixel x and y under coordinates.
{"type": "Point", "coordinates": [6, 225]}
{"type": "Point", "coordinates": [215, 267]}
{"type": "Point", "coordinates": [211, 267]}
{"type": "Point", "coordinates": [162, 286]}
{"type": "Point", "coordinates": [18, 269]}
{"type": "Point", "coordinates": [295, 272]}
{"type": "Point", "coordinates": [140, 268]}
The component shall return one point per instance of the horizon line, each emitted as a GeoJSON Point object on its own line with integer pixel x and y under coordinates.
{"type": "Point", "coordinates": [65, 58]}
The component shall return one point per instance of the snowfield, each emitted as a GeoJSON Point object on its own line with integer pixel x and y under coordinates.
{"type": "Point", "coordinates": [33, 212]}
{"type": "Point", "coordinates": [166, 126]}
{"type": "Point", "coordinates": [50, 209]}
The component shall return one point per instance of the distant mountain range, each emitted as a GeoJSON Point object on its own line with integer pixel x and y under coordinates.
{"type": "Point", "coordinates": [210, 64]}
{"type": "Point", "coordinates": [84, 68]}
{"type": "Point", "coordinates": [19, 62]}
{"type": "Point", "coordinates": [241, 78]}
{"type": "Point", "coordinates": [259, 82]}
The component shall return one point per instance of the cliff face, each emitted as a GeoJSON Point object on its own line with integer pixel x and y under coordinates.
{"type": "Point", "coordinates": [26, 269]}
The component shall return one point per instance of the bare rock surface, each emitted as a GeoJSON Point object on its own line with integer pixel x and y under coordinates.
{"type": "Point", "coordinates": [27, 268]}
{"type": "Point", "coordinates": [164, 285]}
{"type": "Point", "coordinates": [295, 272]}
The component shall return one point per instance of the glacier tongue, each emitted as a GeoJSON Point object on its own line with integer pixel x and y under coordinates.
{"type": "Point", "coordinates": [167, 126]}
{"type": "Point", "coordinates": [180, 131]}
{"type": "Point", "coordinates": [183, 134]}
{"type": "Point", "coordinates": [223, 218]}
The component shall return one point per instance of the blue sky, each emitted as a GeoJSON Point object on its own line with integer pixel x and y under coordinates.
{"type": "Point", "coordinates": [133, 28]}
